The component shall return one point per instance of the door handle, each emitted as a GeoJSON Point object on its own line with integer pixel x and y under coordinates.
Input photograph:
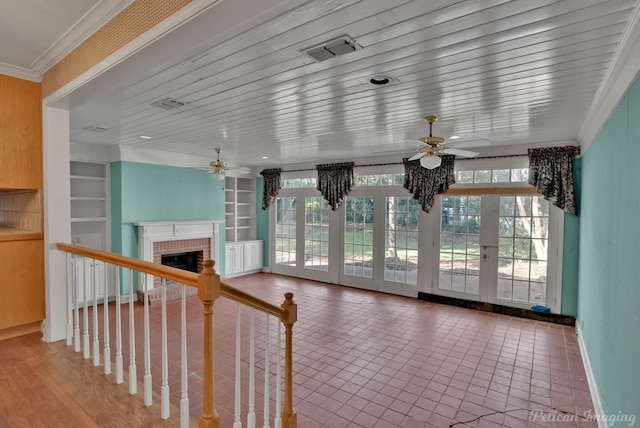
{"type": "Point", "coordinates": [484, 256]}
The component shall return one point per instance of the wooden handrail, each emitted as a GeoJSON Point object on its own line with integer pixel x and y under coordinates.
{"type": "Point", "coordinates": [252, 301]}
{"type": "Point", "coordinates": [209, 289]}
{"type": "Point", "coordinates": [174, 274]}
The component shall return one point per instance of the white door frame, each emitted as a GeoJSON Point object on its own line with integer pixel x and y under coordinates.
{"type": "Point", "coordinates": [489, 238]}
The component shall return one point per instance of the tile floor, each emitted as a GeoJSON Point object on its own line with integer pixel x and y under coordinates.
{"type": "Point", "coordinates": [367, 359]}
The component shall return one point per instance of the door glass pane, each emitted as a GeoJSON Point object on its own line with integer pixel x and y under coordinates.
{"type": "Point", "coordinates": [358, 236]}
{"type": "Point", "coordinates": [401, 240]}
{"type": "Point", "coordinates": [285, 234]}
{"type": "Point", "coordinates": [460, 244]}
{"type": "Point", "coordinates": [316, 233]}
{"type": "Point", "coordinates": [522, 251]}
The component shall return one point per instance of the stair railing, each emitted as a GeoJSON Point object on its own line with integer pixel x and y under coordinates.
{"type": "Point", "coordinates": [209, 288]}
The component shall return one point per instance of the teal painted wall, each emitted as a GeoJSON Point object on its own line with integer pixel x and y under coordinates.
{"type": "Point", "coordinates": [609, 280]}
{"type": "Point", "coordinates": [145, 192]}
{"type": "Point", "coordinates": [262, 219]}
{"type": "Point", "coordinates": [571, 252]}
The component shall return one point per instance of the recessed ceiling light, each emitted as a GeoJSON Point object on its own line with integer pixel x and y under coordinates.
{"type": "Point", "coordinates": [380, 80]}
{"type": "Point", "coordinates": [264, 157]}
{"type": "Point", "coordinates": [454, 137]}
{"type": "Point", "coordinates": [145, 137]}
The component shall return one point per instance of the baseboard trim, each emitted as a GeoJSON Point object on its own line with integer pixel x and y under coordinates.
{"type": "Point", "coordinates": [591, 380]}
{"type": "Point", "coordinates": [20, 330]}
{"type": "Point", "coordinates": [499, 309]}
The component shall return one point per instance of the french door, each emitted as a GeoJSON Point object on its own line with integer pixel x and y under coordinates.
{"type": "Point", "coordinates": [370, 242]}
{"type": "Point", "coordinates": [303, 234]}
{"type": "Point", "coordinates": [379, 236]}
{"type": "Point", "coordinates": [496, 248]}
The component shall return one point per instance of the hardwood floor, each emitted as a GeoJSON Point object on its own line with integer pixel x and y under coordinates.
{"type": "Point", "coordinates": [49, 385]}
{"type": "Point", "coordinates": [361, 359]}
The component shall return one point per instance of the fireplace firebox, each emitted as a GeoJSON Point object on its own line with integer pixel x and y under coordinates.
{"type": "Point", "coordinates": [185, 260]}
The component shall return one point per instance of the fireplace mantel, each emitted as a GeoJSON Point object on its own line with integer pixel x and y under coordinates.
{"type": "Point", "coordinates": [150, 232]}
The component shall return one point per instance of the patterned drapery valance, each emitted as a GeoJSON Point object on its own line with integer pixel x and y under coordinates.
{"type": "Point", "coordinates": [551, 172]}
{"type": "Point", "coordinates": [334, 182]}
{"type": "Point", "coordinates": [425, 183]}
{"type": "Point", "coordinates": [271, 186]}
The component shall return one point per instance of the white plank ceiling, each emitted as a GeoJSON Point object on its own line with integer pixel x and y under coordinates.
{"type": "Point", "coordinates": [513, 74]}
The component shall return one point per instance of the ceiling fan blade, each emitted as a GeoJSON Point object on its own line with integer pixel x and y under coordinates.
{"type": "Point", "coordinates": [459, 152]}
{"type": "Point", "coordinates": [417, 156]}
{"type": "Point", "coordinates": [239, 169]}
{"type": "Point", "coordinates": [468, 143]}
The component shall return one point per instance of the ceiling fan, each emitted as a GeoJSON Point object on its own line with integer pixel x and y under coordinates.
{"type": "Point", "coordinates": [435, 146]}
{"type": "Point", "coordinates": [219, 168]}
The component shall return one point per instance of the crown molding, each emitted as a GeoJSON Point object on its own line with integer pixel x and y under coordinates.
{"type": "Point", "coordinates": [157, 157]}
{"type": "Point", "coordinates": [19, 72]}
{"type": "Point", "coordinates": [103, 12]}
{"type": "Point", "coordinates": [617, 80]}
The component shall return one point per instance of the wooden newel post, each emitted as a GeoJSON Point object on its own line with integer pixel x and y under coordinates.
{"type": "Point", "coordinates": [208, 292]}
{"type": "Point", "coordinates": [289, 416]}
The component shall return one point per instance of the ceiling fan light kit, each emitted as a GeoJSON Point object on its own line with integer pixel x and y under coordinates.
{"type": "Point", "coordinates": [435, 146]}
{"type": "Point", "coordinates": [218, 167]}
{"type": "Point", "coordinates": [430, 161]}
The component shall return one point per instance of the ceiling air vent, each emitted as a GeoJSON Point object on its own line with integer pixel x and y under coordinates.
{"type": "Point", "coordinates": [168, 103]}
{"type": "Point", "coordinates": [330, 49]}
{"type": "Point", "coordinates": [97, 129]}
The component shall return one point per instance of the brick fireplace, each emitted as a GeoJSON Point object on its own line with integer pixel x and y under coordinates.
{"type": "Point", "coordinates": [156, 239]}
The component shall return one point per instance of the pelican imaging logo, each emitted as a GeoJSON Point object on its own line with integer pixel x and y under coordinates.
{"type": "Point", "coordinates": [547, 416]}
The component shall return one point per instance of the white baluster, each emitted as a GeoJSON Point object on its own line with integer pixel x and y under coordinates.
{"type": "Point", "coordinates": [266, 373]}
{"type": "Point", "coordinates": [164, 390]}
{"type": "Point", "coordinates": [184, 400]}
{"type": "Point", "coordinates": [278, 420]}
{"type": "Point", "coordinates": [85, 312]}
{"type": "Point", "coordinates": [237, 422]}
{"type": "Point", "coordinates": [96, 340]}
{"type": "Point", "coordinates": [105, 310]}
{"type": "Point", "coordinates": [119, 363]}
{"type": "Point", "coordinates": [69, 302]}
{"type": "Point", "coordinates": [148, 398]}
{"type": "Point", "coordinates": [133, 382]}
{"type": "Point", "coordinates": [251, 416]}
{"type": "Point", "coordinates": [76, 319]}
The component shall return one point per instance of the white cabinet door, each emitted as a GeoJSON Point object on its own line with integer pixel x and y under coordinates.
{"type": "Point", "coordinates": [87, 271]}
{"type": "Point", "coordinates": [234, 259]}
{"type": "Point", "coordinates": [252, 255]}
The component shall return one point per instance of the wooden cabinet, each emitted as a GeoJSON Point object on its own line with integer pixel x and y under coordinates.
{"type": "Point", "coordinates": [20, 134]}
{"type": "Point", "coordinates": [22, 291]}
{"type": "Point", "coordinates": [243, 257]}
{"type": "Point", "coordinates": [21, 282]}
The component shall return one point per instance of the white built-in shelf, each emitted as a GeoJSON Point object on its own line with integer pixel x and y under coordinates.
{"type": "Point", "coordinates": [89, 199]}
{"type": "Point", "coordinates": [240, 207]}
{"type": "Point", "coordinates": [83, 219]}
{"type": "Point", "coordinates": [87, 177]}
